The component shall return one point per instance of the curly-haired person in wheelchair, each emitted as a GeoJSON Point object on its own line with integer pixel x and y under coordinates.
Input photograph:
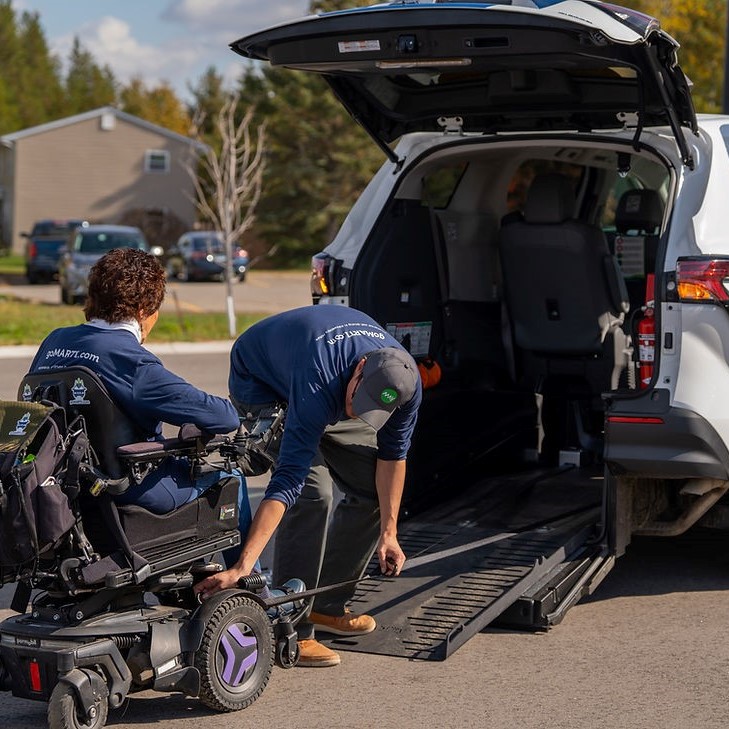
{"type": "Point", "coordinates": [125, 291]}
{"type": "Point", "coordinates": [352, 394]}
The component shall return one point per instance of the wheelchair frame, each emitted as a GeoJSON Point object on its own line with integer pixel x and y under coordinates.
{"type": "Point", "coordinates": [95, 634]}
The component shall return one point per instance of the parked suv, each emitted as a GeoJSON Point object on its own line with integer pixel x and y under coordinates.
{"type": "Point", "coordinates": [43, 248]}
{"type": "Point", "coordinates": [84, 247]}
{"type": "Point", "coordinates": [200, 255]}
{"type": "Point", "coordinates": [549, 230]}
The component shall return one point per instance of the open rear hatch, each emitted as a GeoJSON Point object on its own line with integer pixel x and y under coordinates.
{"type": "Point", "coordinates": [497, 67]}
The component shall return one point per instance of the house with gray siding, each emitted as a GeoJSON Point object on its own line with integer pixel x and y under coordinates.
{"type": "Point", "coordinates": [100, 166]}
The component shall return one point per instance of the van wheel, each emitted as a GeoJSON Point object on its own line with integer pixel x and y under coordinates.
{"type": "Point", "coordinates": [65, 711]}
{"type": "Point", "coordinates": [235, 657]}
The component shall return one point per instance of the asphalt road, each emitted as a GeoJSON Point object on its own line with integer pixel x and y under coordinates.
{"type": "Point", "coordinates": [262, 291]}
{"type": "Point", "coordinates": [648, 650]}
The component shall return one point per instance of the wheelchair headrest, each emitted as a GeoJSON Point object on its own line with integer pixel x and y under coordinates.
{"type": "Point", "coordinates": [640, 211]}
{"type": "Point", "coordinates": [551, 199]}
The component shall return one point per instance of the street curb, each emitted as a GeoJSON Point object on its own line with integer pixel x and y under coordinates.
{"type": "Point", "coordinates": [27, 351]}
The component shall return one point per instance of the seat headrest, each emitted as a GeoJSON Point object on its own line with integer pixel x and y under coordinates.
{"type": "Point", "coordinates": [551, 199]}
{"type": "Point", "coordinates": [640, 211]}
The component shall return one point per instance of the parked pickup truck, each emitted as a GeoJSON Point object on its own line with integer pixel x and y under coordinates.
{"type": "Point", "coordinates": [43, 248]}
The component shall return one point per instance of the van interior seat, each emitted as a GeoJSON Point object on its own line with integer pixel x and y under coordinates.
{"type": "Point", "coordinates": [560, 279]}
{"type": "Point", "coordinates": [565, 297]}
{"type": "Point", "coordinates": [638, 219]}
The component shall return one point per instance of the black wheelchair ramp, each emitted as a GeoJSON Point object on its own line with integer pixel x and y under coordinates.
{"type": "Point", "coordinates": [459, 578]}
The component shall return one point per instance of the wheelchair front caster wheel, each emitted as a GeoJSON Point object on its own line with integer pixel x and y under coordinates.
{"type": "Point", "coordinates": [286, 658]}
{"type": "Point", "coordinates": [66, 712]}
{"type": "Point", "coordinates": [235, 657]}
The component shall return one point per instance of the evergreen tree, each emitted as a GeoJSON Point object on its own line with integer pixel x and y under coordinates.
{"type": "Point", "coordinates": [39, 75]}
{"type": "Point", "coordinates": [209, 97]}
{"type": "Point", "coordinates": [318, 161]}
{"type": "Point", "coordinates": [10, 62]}
{"type": "Point", "coordinates": [88, 86]}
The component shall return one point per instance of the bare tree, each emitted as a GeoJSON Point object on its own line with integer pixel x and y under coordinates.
{"type": "Point", "coordinates": [228, 183]}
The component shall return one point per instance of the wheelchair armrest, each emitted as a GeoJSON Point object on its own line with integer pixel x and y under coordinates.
{"type": "Point", "coordinates": [191, 441]}
{"type": "Point", "coordinates": [188, 431]}
{"type": "Point", "coordinates": [155, 448]}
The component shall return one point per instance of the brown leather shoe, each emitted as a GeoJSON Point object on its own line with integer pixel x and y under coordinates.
{"type": "Point", "coordinates": [347, 624]}
{"type": "Point", "coordinates": [312, 654]}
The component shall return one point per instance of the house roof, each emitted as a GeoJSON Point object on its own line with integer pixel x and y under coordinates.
{"type": "Point", "coordinates": [8, 139]}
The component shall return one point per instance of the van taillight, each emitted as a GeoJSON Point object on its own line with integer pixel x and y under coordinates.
{"type": "Point", "coordinates": [32, 250]}
{"type": "Point", "coordinates": [320, 274]}
{"type": "Point", "coordinates": [703, 279]}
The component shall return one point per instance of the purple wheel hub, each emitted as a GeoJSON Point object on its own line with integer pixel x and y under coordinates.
{"type": "Point", "coordinates": [237, 654]}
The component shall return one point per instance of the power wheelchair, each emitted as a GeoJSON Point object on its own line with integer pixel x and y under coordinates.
{"type": "Point", "coordinates": [106, 598]}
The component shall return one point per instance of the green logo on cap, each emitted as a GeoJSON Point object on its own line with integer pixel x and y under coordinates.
{"type": "Point", "coordinates": [388, 396]}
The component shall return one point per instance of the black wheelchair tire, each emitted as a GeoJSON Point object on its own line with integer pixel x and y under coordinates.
{"type": "Point", "coordinates": [64, 709]}
{"type": "Point", "coordinates": [283, 660]}
{"type": "Point", "coordinates": [238, 633]}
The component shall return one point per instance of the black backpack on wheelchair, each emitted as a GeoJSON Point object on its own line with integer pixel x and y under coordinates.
{"type": "Point", "coordinates": [113, 609]}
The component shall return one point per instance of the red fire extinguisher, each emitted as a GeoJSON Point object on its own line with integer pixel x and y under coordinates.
{"type": "Point", "coordinates": [647, 334]}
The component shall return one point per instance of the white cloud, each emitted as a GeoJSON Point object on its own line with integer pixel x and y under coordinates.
{"type": "Point", "coordinates": [236, 16]}
{"type": "Point", "coordinates": [197, 35]}
{"type": "Point", "coordinates": [110, 41]}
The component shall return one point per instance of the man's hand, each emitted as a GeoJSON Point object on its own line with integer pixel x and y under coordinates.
{"type": "Point", "coordinates": [391, 557]}
{"type": "Point", "coordinates": [219, 581]}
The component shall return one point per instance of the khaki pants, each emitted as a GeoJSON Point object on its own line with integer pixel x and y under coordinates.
{"type": "Point", "coordinates": [317, 541]}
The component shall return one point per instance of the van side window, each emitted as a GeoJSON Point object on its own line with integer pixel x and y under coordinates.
{"type": "Point", "coordinates": [440, 185]}
{"type": "Point", "coordinates": [618, 186]}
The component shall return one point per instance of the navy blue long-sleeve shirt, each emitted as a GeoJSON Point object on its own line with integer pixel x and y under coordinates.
{"type": "Point", "coordinates": [137, 381]}
{"type": "Point", "coordinates": [305, 357]}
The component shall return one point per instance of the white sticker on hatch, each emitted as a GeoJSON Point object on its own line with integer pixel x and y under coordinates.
{"type": "Point", "coordinates": [358, 46]}
{"type": "Point", "coordinates": [414, 336]}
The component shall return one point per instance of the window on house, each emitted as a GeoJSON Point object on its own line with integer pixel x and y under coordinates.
{"type": "Point", "coordinates": [157, 161]}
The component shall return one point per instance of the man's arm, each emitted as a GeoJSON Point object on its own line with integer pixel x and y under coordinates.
{"type": "Point", "coordinates": [267, 518]}
{"type": "Point", "coordinates": [390, 481]}
{"type": "Point", "coordinates": [162, 395]}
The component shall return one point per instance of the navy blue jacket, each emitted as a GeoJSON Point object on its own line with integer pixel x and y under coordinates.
{"type": "Point", "coordinates": [305, 357]}
{"type": "Point", "coordinates": [138, 383]}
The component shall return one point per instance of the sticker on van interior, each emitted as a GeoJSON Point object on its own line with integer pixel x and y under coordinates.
{"type": "Point", "coordinates": [630, 254]}
{"type": "Point", "coordinates": [413, 335]}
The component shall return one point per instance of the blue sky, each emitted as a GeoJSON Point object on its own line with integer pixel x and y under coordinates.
{"type": "Point", "coordinates": [171, 40]}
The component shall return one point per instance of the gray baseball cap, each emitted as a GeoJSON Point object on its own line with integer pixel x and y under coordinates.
{"type": "Point", "coordinates": [389, 379]}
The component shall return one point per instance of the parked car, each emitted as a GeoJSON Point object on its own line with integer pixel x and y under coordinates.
{"type": "Point", "coordinates": [43, 248]}
{"type": "Point", "coordinates": [84, 247]}
{"type": "Point", "coordinates": [200, 256]}
{"type": "Point", "coordinates": [549, 228]}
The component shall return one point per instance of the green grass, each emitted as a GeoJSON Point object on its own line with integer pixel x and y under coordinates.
{"type": "Point", "coordinates": [24, 322]}
{"type": "Point", "coordinates": [13, 264]}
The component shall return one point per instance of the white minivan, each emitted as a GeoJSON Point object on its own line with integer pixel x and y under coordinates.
{"type": "Point", "coordinates": [546, 233]}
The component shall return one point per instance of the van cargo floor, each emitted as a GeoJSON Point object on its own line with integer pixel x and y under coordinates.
{"type": "Point", "coordinates": [465, 567]}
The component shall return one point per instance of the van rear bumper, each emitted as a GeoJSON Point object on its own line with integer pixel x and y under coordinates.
{"type": "Point", "coordinates": [646, 437]}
